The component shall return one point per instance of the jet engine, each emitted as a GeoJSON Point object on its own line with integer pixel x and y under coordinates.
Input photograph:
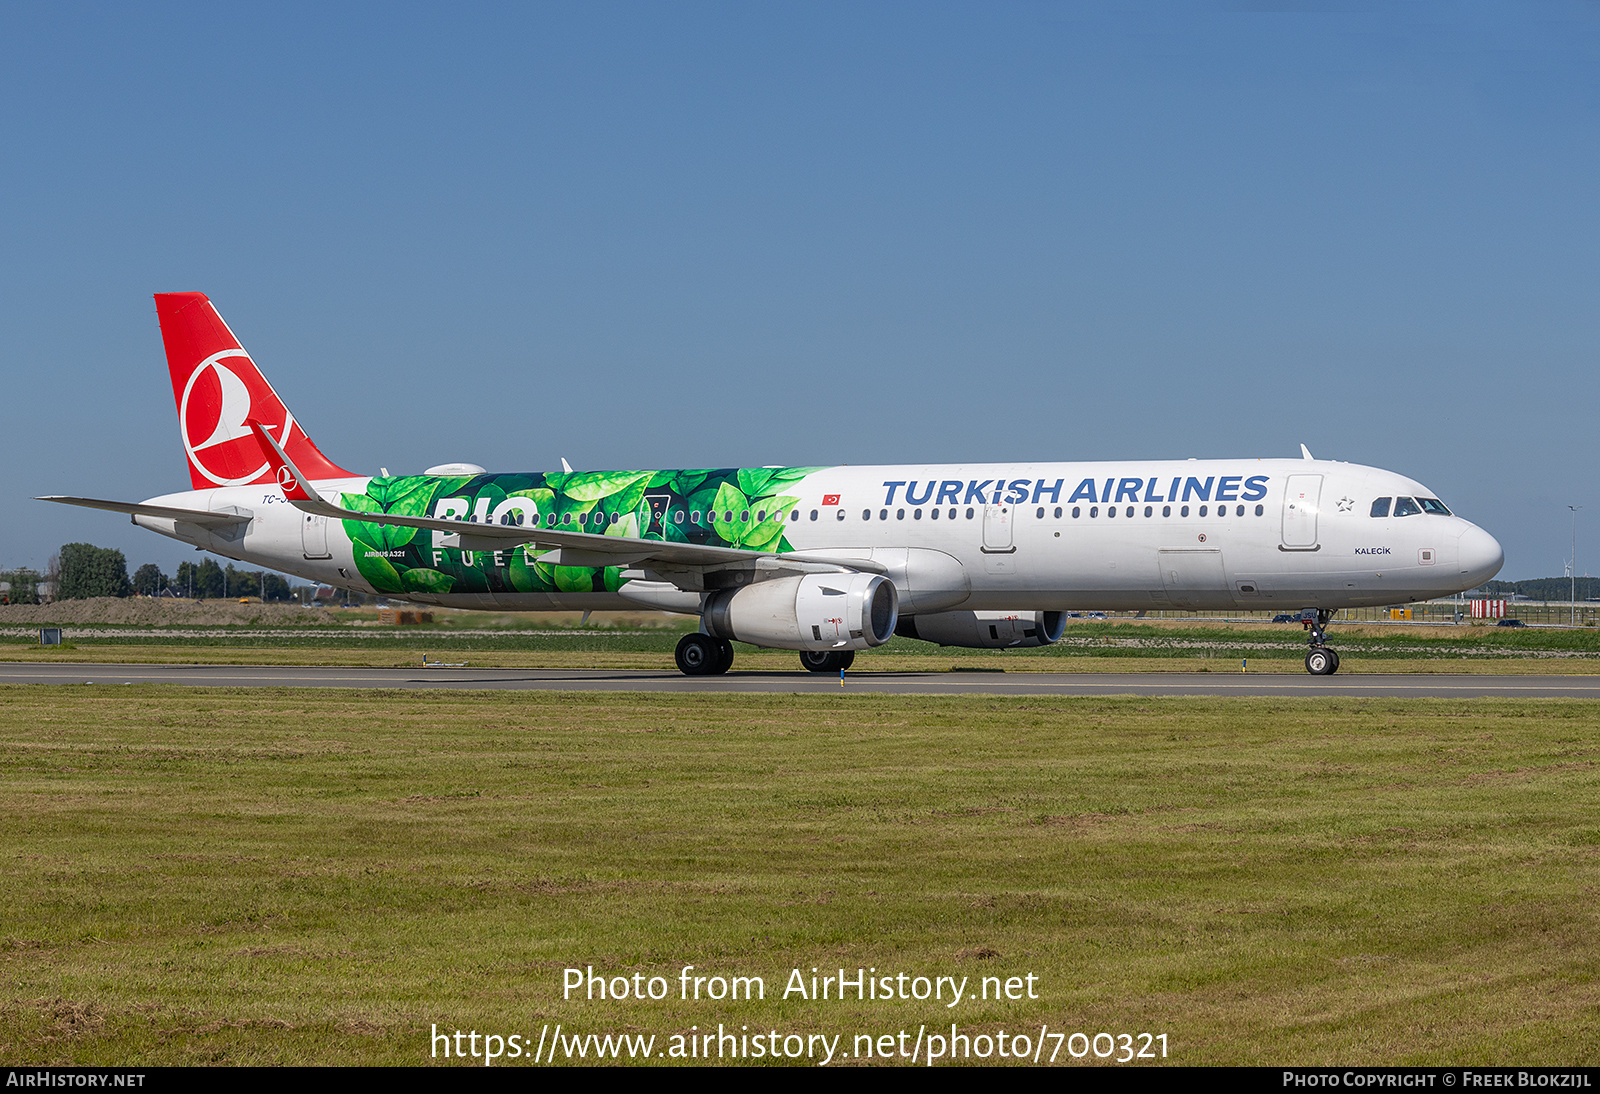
{"type": "Point", "coordinates": [845, 611]}
{"type": "Point", "coordinates": [985, 630]}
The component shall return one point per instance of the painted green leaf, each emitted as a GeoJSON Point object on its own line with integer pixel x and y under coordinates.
{"type": "Point", "coordinates": [627, 499]}
{"type": "Point", "coordinates": [702, 500]}
{"type": "Point", "coordinates": [470, 578]}
{"type": "Point", "coordinates": [407, 496]}
{"type": "Point", "coordinates": [627, 527]}
{"type": "Point", "coordinates": [594, 485]}
{"type": "Point", "coordinates": [780, 504]}
{"type": "Point", "coordinates": [783, 476]}
{"type": "Point", "coordinates": [687, 482]}
{"type": "Point", "coordinates": [360, 503]}
{"type": "Point", "coordinates": [612, 576]}
{"type": "Point", "coordinates": [565, 505]}
{"type": "Point", "coordinates": [383, 538]}
{"type": "Point", "coordinates": [376, 569]}
{"type": "Point", "coordinates": [753, 480]}
{"type": "Point", "coordinates": [423, 580]}
{"type": "Point", "coordinates": [662, 478]}
{"type": "Point", "coordinates": [524, 575]}
{"type": "Point", "coordinates": [574, 579]}
{"type": "Point", "coordinates": [729, 499]}
{"type": "Point", "coordinates": [761, 536]}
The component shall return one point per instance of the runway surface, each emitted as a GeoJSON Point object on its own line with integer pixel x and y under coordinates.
{"type": "Point", "coordinates": [900, 683]}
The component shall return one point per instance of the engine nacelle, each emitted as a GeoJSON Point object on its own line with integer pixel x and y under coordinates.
{"type": "Point", "coordinates": [985, 630]}
{"type": "Point", "coordinates": [810, 612]}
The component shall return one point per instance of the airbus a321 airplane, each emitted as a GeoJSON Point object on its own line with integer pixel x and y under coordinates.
{"type": "Point", "coordinates": [823, 560]}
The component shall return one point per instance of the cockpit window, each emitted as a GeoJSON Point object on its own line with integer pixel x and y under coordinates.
{"type": "Point", "coordinates": [1434, 506]}
{"type": "Point", "coordinates": [1380, 508]}
{"type": "Point", "coordinates": [1406, 507]}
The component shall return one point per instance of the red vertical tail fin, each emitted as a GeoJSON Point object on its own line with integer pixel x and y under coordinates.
{"type": "Point", "coordinates": [219, 390]}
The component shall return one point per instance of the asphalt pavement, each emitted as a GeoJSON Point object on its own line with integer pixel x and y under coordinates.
{"type": "Point", "coordinates": [889, 683]}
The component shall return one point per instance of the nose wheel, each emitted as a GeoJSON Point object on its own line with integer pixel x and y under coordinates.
{"type": "Point", "coordinates": [1320, 660]}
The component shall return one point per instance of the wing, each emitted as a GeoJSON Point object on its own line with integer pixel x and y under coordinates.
{"type": "Point", "coordinates": [570, 548]}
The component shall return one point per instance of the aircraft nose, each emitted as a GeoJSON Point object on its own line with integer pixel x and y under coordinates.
{"type": "Point", "coordinates": [1480, 556]}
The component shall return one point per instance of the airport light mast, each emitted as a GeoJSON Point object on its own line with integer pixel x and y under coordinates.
{"type": "Point", "coordinates": [1572, 566]}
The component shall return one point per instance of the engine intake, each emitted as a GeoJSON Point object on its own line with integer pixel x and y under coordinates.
{"type": "Point", "coordinates": [846, 611]}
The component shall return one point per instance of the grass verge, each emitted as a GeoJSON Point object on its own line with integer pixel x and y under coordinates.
{"type": "Point", "coordinates": [260, 877]}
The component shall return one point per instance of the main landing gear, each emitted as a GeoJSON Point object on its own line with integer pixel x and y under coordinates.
{"type": "Point", "coordinates": [702, 655]}
{"type": "Point", "coordinates": [1320, 660]}
{"type": "Point", "coordinates": [827, 660]}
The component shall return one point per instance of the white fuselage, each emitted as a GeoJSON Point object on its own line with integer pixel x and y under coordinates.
{"type": "Point", "coordinates": [1193, 534]}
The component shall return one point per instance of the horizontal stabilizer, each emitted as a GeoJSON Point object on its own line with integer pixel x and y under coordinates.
{"type": "Point", "coordinates": [203, 517]}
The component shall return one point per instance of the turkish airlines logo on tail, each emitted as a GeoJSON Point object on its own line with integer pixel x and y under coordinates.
{"type": "Point", "coordinates": [223, 393]}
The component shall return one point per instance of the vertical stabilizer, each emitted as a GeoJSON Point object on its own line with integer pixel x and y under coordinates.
{"type": "Point", "coordinates": [219, 390]}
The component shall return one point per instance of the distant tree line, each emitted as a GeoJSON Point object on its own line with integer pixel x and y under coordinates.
{"type": "Point", "coordinates": [84, 570]}
{"type": "Point", "coordinates": [1545, 588]}
{"type": "Point", "coordinates": [22, 586]}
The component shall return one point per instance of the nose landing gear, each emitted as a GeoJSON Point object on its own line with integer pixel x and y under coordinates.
{"type": "Point", "coordinates": [1320, 660]}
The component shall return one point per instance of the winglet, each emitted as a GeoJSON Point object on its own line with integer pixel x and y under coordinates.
{"type": "Point", "coordinates": [1305, 453]}
{"type": "Point", "coordinates": [296, 487]}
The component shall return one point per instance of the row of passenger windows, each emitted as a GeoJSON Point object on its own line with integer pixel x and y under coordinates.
{"type": "Point", "coordinates": [1059, 512]}
{"type": "Point", "coordinates": [595, 519]}
{"type": "Point", "coordinates": [1409, 507]}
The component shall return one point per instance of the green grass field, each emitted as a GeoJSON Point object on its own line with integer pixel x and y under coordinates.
{"type": "Point", "coordinates": [264, 877]}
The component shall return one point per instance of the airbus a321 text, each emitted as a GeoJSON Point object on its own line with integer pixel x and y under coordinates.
{"type": "Point", "coordinates": [822, 560]}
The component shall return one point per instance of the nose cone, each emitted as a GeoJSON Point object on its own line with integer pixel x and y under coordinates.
{"type": "Point", "coordinates": [1480, 557]}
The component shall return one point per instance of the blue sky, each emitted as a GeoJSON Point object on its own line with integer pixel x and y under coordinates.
{"type": "Point", "coordinates": [643, 235]}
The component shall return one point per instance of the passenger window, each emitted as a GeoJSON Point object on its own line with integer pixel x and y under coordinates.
{"type": "Point", "coordinates": [1149, 510]}
{"type": "Point", "coordinates": [1202, 510]}
{"type": "Point", "coordinates": [1380, 508]}
{"type": "Point", "coordinates": [813, 514]}
{"type": "Point", "coordinates": [1260, 509]}
{"type": "Point", "coordinates": [866, 514]}
{"type": "Point", "coordinates": [916, 514]}
{"type": "Point", "coordinates": [883, 514]}
{"type": "Point", "coordinates": [1041, 512]}
{"type": "Point", "coordinates": [899, 514]}
{"type": "Point", "coordinates": [1058, 512]}
{"type": "Point", "coordinates": [841, 514]}
{"type": "Point", "coordinates": [794, 514]}
{"type": "Point", "coordinates": [677, 517]}
{"type": "Point", "coordinates": [1166, 510]}
{"type": "Point", "coordinates": [969, 514]}
{"type": "Point", "coordinates": [1184, 511]}
{"type": "Point", "coordinates": [1239, 512]}
{"type": "Point", "coordinates": [933, 513]}
{"type": "Point", "coordinates": [1075, 511]}
{"type": "Point", "coordinates": [1094, 510]}
{"type": "Point", "coordinates": [1406, 507]}
{"type": "Point", "coordinates": [1111, 510]}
